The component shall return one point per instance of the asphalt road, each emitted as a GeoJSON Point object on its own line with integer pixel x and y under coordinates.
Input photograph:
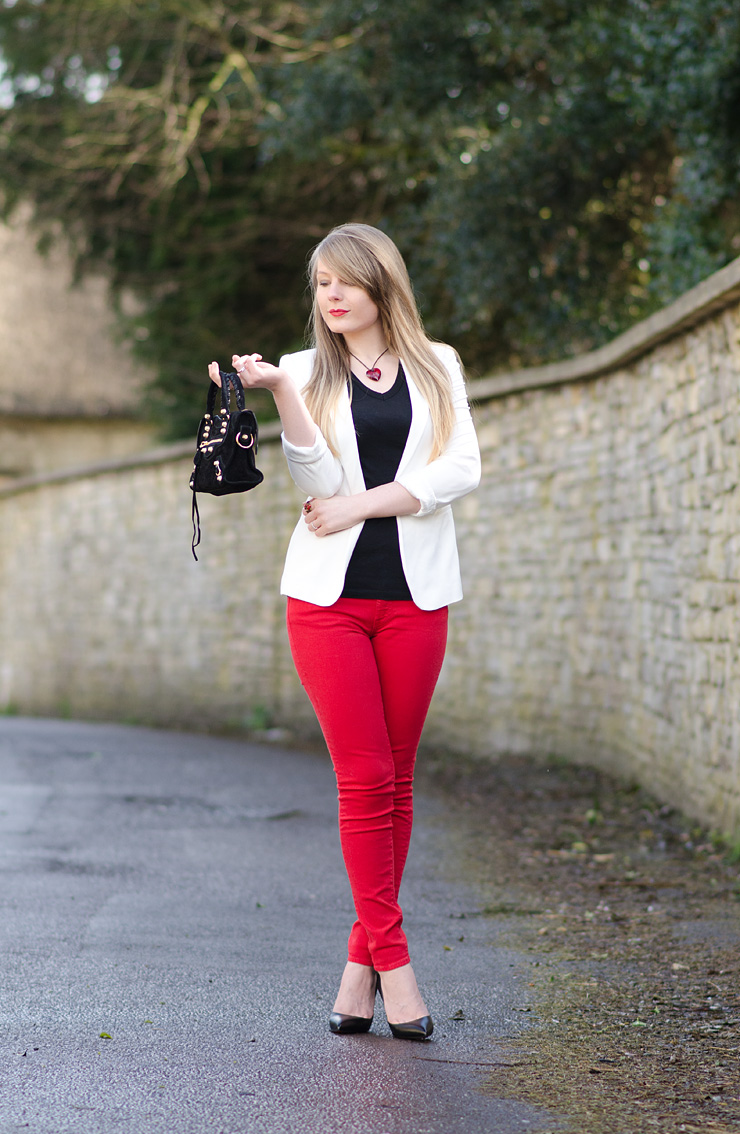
{"type": "Point", "coordinates": [185, 895]}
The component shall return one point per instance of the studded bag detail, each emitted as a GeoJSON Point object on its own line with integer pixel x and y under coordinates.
{"type": "Point", "coordinates": [226, 446]}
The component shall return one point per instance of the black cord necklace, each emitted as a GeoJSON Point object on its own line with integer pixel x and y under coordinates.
{"type": "Point", "coordinates": [372, 372]}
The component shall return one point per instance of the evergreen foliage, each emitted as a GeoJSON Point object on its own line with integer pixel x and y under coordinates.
{"type": "Point", "coordinates": [553, 171]}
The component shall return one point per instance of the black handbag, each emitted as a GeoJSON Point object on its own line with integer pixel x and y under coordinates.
{"type": "Point", "coordinates": [226, 446]}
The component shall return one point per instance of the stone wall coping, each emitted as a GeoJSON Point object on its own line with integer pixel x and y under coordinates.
{"type": "Point", "coordinates": [16, 405]}
{"type": "Point", "coordinates": [177, 451]}
{"type": "Point", "coordinates": [711, 295]}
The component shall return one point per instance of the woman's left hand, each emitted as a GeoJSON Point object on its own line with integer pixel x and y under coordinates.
{"type": "Point", "coordinates": [335, 514]}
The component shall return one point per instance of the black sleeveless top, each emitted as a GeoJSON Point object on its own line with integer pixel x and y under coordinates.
{"type": "Point", "coordinates": [382, 423]}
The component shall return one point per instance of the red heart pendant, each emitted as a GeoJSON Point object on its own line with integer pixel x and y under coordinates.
{"type": "Point", "coordinates": [374, 374]}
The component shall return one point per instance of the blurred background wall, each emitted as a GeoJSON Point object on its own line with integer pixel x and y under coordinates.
{"type": "Point", "coordinates": [555, 176]}
{"type": "Point", "coordinates": [70, 392]}
{"type": "Point", "coordinates": [601, 561]}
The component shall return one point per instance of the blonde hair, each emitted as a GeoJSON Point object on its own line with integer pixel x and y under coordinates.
{"type": "Point", "coordinates": [365, 257]}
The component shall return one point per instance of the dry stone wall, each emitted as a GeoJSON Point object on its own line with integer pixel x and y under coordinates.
{"type": "Point", "coordinates": [601, 561]}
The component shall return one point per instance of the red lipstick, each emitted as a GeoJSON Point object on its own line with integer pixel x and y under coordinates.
{"type": "Point", "coordinates": [337, 311]}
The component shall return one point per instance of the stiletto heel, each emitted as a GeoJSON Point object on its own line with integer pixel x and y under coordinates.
{"type": "Point", "coordinates": [420, 1029]}
{"type": "Point", "coordinates": [343, 1025]}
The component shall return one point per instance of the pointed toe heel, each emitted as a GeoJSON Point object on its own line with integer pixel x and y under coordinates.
{"type": "Point", "coordinates": [342, 1025]}
{"type": "Point", "coordinates": [420, 1029]}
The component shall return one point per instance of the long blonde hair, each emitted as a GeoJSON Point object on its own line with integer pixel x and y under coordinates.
{"type": "Point", "coordinates": [365, 257]}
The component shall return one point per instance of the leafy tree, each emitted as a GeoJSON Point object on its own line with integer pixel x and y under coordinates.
{"type": "Point", "coordinates": [552, 170]}
{"type": "Point", "coordinates": [139, 126]}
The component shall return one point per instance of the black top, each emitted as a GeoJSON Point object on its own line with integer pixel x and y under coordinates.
{"type": "Point", "coordinates": [382, 423]}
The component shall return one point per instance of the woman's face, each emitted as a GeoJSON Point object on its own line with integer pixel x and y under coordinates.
{"type": "Point", "coordinates": [345, 308]}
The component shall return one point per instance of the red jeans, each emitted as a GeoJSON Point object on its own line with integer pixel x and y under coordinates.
{"type": "Point", "coordinates": [370, 668]}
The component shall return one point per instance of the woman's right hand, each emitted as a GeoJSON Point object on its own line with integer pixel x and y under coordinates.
{"type": "Point", "coordinates": [298, 425]}
{"type": "Point", "coordinates": [254, 372]}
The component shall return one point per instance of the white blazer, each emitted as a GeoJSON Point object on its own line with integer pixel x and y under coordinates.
{"type": "Point", "coordinates": [315, 566]}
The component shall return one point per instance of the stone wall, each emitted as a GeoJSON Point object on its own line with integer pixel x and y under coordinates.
{"type": "Point", "coordinates": [603, 562]}
{"type": "Point", "coordinates": [60, 350]}
{"type": "Point", "coordinates": [601, 565]}
{"type": "Point", "coordinates": [69, 389]}
{"type": "Point", "coordinates": [36, 445]}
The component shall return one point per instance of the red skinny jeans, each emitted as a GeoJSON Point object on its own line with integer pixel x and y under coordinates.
{"type": "Point", "coordinates": [369, 668]}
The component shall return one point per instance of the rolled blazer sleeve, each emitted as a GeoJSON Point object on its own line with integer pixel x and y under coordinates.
{"type": "Point", "coordinates": [457, 470]}
{"type": "Point", "coordinates": [314, 469]}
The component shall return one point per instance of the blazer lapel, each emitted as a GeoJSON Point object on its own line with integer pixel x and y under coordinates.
{"type": "Point", "coordinates": [419, 420]}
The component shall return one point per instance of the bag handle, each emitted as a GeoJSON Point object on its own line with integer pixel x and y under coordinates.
{"type": "Point", "coordinates": [236, 384]}
{"type": "Point", "coordinates": [222, 391]}
{"type": "Point", "coordinates": [228, 380]}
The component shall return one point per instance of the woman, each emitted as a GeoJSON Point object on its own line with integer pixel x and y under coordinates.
{"type": "Point", "coordinates": [377, 431]}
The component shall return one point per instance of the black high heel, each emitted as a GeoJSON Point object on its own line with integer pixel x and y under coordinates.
{"type": "Point", "coordinates": [420, 1029]}
{"type": "Point", "coordinates": [343, 1025]}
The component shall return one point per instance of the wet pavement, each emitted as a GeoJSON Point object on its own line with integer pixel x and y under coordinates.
{"type": "Point", "coordinates": [185, 897]}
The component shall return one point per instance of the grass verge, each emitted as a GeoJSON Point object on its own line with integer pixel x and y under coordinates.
{"type": "Point", "coordinates": [631, 915]}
